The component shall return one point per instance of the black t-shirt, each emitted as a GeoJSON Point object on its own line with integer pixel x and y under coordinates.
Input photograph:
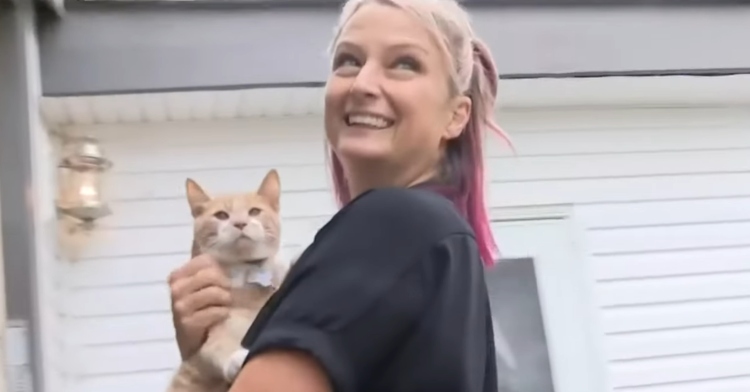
{"type": "Point", "coordinates": [390, 296]}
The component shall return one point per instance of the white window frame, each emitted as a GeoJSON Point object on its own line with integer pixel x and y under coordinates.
{"type": "Point", "coordinates": [566, 292]}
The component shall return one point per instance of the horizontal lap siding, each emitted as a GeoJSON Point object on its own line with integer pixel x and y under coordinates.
{"type": "Point", "coordinates": [664, 195]}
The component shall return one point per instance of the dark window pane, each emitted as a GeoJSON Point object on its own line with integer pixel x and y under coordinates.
{"type": "Point", "coordinates": [520, 342]}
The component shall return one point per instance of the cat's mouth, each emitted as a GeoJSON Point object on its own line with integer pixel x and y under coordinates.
{"type": "Point", "coordinates": [245, 236]}
{"type": "Point", "coordinates": [253, 238]}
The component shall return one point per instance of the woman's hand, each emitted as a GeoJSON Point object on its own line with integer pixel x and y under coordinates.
{"type": "Point", "coordinates": [200, 299]}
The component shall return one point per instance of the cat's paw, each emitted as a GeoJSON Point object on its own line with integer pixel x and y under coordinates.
{"type": "Point", "coordinates": [234, 364]}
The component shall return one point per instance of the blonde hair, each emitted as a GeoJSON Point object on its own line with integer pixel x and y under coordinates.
{"type": "Point", "coordinates": [472, 73]}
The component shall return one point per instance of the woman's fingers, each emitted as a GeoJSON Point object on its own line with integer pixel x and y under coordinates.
{"type": "Point", "coordinates": [208, 276]}
{"type": "Point", "coordinates": [200, 298]}
{"type": "Point", "coordinates": [191, 268]}
{"type": "Point", "coordinates": [206, 317]}
{"type": "Point", "coordinates": [208, 296]}
{"type": "Point", "coordinates": [200, 293]}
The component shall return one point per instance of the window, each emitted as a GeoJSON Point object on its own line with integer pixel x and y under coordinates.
{"type": "Point", "coordinates": [523, 360]}
{"type": "Point", "coordinates": [547, 338]}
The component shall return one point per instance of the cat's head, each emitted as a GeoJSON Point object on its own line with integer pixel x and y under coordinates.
{"type": "Point", "coordinates": [240, 227]}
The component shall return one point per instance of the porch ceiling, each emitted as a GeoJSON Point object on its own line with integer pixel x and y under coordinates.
{"type": "Point", "coordinates": [103, 48]}
{"type": "Point", "coordinates": [468, 3]}
{"type": "Point", "coordinates": [667, 91]}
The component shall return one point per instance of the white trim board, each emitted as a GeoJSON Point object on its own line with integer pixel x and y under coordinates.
{"type": "Point", "coordinates": [518, 94]}
{"type": "Point", "coordinates": [567, 299]}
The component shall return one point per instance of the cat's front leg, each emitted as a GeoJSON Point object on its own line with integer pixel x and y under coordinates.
{"type": "Point", "coordinates": [234, 364]}
{"type": "Point", "coordinates": [223, 351]}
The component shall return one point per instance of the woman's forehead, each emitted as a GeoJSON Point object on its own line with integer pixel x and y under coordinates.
{"type": "Point", "coordinates": [385, 23]}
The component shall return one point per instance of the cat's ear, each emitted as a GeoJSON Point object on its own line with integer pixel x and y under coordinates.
{"type": "Point", "coordinates": [196, 196]}
{"type": "Point", "coordinates": [270, 188]}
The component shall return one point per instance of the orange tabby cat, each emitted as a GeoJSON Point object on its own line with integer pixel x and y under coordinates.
{"type": "Point", "coordinates": [242, 233]}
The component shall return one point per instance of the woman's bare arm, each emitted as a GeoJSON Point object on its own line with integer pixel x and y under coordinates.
{"type": "Point", "coordinates": [282, 371]}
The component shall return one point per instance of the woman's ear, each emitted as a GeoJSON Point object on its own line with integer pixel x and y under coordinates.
{"type": "Point", "coordinates": [460, 115]}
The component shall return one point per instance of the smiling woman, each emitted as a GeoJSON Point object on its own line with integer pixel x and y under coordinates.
{"type": "Point", "coordinates": [388, 97]}
{"type": "Point", "coordinates": [391, 293]}
{"type": "Point", "coordinates": [436, 91]}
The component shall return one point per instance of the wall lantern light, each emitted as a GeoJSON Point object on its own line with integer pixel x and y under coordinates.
{"type": "Point", "coordinates": [80, 180]}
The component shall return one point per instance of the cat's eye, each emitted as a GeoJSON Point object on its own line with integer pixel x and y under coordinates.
{"type": "Point", "coordinates": [254, 211]}
{"type": "Point", "coordinates": [221, 215]}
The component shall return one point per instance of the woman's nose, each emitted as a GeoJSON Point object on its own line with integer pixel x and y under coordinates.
{"type": "Point", "coordinates": [367, 82]}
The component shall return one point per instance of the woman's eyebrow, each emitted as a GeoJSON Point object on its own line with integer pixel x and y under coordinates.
{"type": "Point", "coordinates": [396, 46]}
{"type": "Point", "coordinates": [409, 45]}
{"type": "Point", "coordinates": [347, 45]}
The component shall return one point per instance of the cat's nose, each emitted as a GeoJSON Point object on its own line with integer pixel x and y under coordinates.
{"type": "Point", "coordinates": [240, 225]}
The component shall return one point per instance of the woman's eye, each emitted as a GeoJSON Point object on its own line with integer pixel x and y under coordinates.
{"type": "Point", "coordinates": [254, 211]}
{"type": "Point", "coordinates": [345, 60]}
{"type": "Point", "coordinates": [407, 63]}
{"type": "Point", "coordinates": [221, 215]}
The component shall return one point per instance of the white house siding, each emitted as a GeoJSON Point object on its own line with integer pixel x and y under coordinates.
{"type": "Point", "coordinates": [664, 196]}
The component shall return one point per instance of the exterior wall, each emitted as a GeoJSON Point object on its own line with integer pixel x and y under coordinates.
{"type": "Point", "coordinates": [664, 195]}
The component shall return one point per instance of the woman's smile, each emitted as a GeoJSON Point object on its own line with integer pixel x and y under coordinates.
{"type": "Point", "coordinates": [388, 93]}
{"type": "Point", "coordinates": [368, 120]}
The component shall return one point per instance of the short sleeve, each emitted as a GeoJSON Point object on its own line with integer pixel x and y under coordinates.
{"type": "Point", "coordinates": [354, 297]}
{"type": "Point", "coordinates": [350, 327]}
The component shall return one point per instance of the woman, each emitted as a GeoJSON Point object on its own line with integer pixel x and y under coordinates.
{"type": "Point", "coordinates": [391, 295]}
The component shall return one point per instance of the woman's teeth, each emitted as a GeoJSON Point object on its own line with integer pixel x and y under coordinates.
{"type": "Point", "coordinates": [368, 121]}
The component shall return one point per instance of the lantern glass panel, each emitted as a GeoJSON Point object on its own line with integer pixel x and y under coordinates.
{"type": "Point", "coordinates": [80, 189]}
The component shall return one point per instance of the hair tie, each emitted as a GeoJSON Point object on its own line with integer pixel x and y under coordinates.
{"type": "Point", "coordinates": [479, 51]}
{"type": "Point", "coordinates": [483, 59]}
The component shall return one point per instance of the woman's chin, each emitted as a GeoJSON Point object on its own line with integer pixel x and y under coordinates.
{"type": "Point", "coordinates": [362, 150]}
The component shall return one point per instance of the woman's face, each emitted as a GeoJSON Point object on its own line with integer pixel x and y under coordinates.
{"type": "Point", "coordinates": [388, 97]}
